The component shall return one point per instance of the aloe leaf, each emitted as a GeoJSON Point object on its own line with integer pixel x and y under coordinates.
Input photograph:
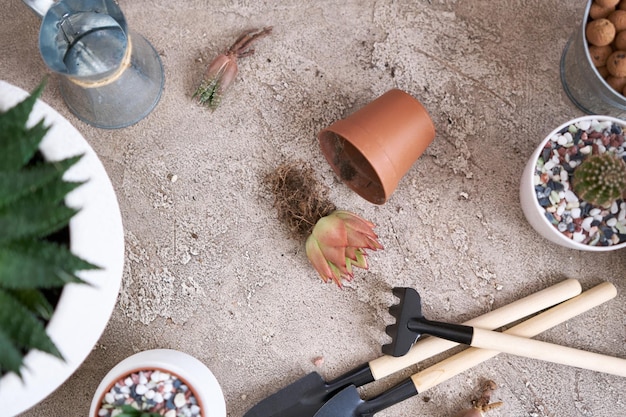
{"type": "Point", "coordinates": [19, 184]}
{"type": "Point", "coordinates": [39, 264]}
{"type": "Point", "coordinates": [23, 219]}
{"type": "Point", "coordinates": [18, 143]}
{"type": "Point", "coordinates": [35, 301]}
{"type": "Point", "coordinates": [23, 328]}
{"type": "Point", "coordinates": [11, 358]}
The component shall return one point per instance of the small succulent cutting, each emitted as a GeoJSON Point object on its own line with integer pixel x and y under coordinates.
{"type": "Point", "coordinates": [222, 71]}
{"type": "Point", "coordinates": [600, 179]}
{"type": "Point", "coordinates": [33, 265]}
{"type": "Point", "coordinates": [336, 240]}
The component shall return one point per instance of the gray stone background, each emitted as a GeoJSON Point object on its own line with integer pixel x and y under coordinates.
{"type": "Point", "coordinates": [212, 272]}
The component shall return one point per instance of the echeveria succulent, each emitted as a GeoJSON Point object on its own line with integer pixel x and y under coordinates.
{"type": "Point", "coordinates": [338, 243]}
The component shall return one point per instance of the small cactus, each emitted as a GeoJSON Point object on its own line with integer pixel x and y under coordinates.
{"type": "Point", "coordinates": [600, 179]}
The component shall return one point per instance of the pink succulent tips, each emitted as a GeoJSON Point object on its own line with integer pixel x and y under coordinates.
{"type": "Point", "coordinates": [338, 243]}
{"type": "Point", "coordinates": [223, 70]}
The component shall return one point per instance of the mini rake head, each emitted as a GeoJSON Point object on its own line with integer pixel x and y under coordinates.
{"type": "Point", "coordinates": [410, 325]}
{"type": "Point", "coordinates": [409, 308]}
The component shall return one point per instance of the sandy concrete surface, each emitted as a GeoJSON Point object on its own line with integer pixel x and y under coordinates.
{"type": "Point", "coordinates": [212, 272]}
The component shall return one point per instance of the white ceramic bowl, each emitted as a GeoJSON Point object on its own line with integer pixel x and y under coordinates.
{"type": "Point", "coordinates": [96, 235]}
{"type": "Point", "coordinates": [189, 369]}
{"type": "Point", "coordinates": [535, 213]}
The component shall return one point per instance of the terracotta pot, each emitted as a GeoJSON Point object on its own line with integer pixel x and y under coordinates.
{"type": "Point", "coordinates": [374, 147]}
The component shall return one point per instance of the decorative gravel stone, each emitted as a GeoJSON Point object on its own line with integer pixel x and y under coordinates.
{"type": "Point", "coordinates": [152, 391]}
{"type": "Point", "coordinates": [578, 219]}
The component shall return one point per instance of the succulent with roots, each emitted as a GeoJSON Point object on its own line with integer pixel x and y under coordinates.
{"type": "Point", "coordinates": [600, 179]}
{"type": "Point", "coordinates": [338, 243]}
{"type": "Point", "coordinates": [222, 71]}
{"type": "Point", "coordinates": [336, 240]}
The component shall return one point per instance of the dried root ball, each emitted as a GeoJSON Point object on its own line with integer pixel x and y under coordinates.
{"type": "Point", "coordinates": [607, 3]}
{"type": "Point", "coordinates": [600, 32]}
{"type": "Point", "coordinates": [617, 83]}
{"type": "Point", "coordinates": [616, 64]}
{"type": "Point", "coordinates": [618, 18]}
{"type": "Point", "coordinates": [599, 12]}
{"type": "Point", "coordinates": [599, 54]}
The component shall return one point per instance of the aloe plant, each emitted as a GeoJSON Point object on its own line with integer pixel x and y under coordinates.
{"type": "Point", "coordinates": [32, 209]}
{"type": "Point", "coordinates": [600, 179]}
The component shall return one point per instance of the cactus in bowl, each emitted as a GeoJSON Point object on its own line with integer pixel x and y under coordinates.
{"type": "Point", "coordinates": [35, 260]}
{"type": "Point", "coordinates": [600, 179]}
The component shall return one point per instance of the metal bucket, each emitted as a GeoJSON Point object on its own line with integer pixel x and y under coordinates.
{"type": "Point", "coordinates": [110, 77]}
{"type": "Point", "coordinates": [583, 83]}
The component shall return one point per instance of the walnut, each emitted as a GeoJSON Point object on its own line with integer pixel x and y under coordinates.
{"type": "Point", "coordinates": [599, 54]}
{"type": "Point", "coordinates": [600, 32]}
{"type": "Point", "coordinates": [620, 41]}
{"type": "Point", "coordinates": [598, 12]}
{"type": "Point", "coordinates": [603, 71]}
{"type": "Point", "coordinates": [607, 3]}
{"type": "Point", "coordinates": [618, 18]}
{"type": "Point", "coordinates": [617, 83]}
{"type": "Point", "coordinates": [616, 64]}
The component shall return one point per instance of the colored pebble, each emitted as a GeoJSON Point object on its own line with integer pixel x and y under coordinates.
{"type": "Point", "coordinates": [154, 391]}
{"type": "Point", "coordinates": [576, 218]}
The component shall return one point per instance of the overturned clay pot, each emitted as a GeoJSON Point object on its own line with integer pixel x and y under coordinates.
{"type": "Point", "coordinates": [373, 148]}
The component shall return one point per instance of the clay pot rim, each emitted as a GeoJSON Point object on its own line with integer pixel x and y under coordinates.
{"type": "Point", "coordinates": [138, 369]}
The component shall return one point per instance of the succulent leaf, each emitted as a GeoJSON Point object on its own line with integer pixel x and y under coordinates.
{"type": "Point", "coordinates": [600, 179]}
{"type": "Point", "coordinates": [20, 184]}
{"type": "Point", "coordinates": [317, 259]}
{"type": "Point", "coordinates": [337, 244]}
{"type": "Point", "coordinates": [11, 358]}
{"type": "Point", "coordinates": [22, 220]}
{"type": "Point", "coordinates": [34, 301]}
{"type": "Point", "coordinates": [23, 327]}
{"type": "Point", "coordinates": [38, 264]}
{"type": "Point", "coordinates": [19, 143]}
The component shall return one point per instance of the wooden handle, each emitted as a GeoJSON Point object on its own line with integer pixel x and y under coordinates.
{"type": "Point", "coordinates": [551, 352]}
{"type": "Point", "coordinates": [429, 347]}
{"type": "Point", "coordinates": [472, 356]}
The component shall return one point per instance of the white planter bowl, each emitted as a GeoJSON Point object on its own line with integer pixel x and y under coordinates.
{"type": "Point", "coordinates": [189, 369]}
{"type": "Point", "coordinates": [96, 235]}
{"type": "Point", "coordinates": [535, 214]}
